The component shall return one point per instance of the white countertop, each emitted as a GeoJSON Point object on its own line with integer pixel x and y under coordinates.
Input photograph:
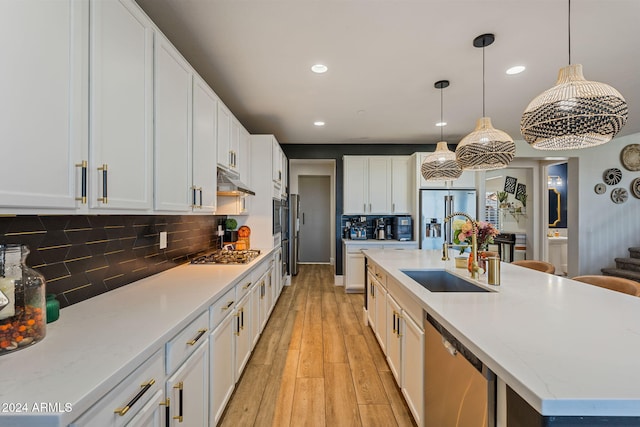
{"type": "Point", "coordinates": [566, 347]}
{"type": "Point", "coordinates": [95, 343]}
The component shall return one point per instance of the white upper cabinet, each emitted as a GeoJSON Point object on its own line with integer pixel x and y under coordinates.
{"type": "Point", "coordinates": [121, 97]}
{"type": "Point", "coordinates": [172, 171]}
{"type": "Point", "coordinates": [400, 185]}
{"type": "Point", "coordinates": [205, 105]}
{"type": "Point", "coordinates": [234, 144]}
{"type": "Point", "coordinates": [44, 91]}
{"type": "Point", "coordinates": [225, 155]}
{"type": "Point", "coordinates": [376, 185]}
{"type": "Point", "coordinates": [276, 163]}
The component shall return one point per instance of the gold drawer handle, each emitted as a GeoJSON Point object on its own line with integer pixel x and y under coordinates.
{"type": "Point", "coordinates": [228, 306]}
{"type": "Point", "coordinates": [201, 332]}
{"type": "Point", "coordinates": [145, 387]}
{"type": "Point", "coordinates": [247, 285]}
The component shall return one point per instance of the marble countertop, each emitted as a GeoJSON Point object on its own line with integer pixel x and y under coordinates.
{"type": "Point", "coordinates": [96, 343]}
{"type": "Point", "coordinates": [377, 242]}
{"type": "Point", "coordinates": [566, 347]}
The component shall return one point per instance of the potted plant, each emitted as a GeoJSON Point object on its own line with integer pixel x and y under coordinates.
{"type": "Point", "coordinates": [502, 198]}
{"type": "Point", "coordinates": [230, 234]}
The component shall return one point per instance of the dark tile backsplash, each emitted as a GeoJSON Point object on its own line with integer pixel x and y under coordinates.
{"type": "Point", "coordinates": [82, 256]}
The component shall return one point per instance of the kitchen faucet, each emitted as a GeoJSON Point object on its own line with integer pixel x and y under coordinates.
{"type": "Point", "coordinates": [475, 269]}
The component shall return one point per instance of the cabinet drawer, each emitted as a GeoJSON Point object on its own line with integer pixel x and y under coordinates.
{"type": "Point", "coordinates": [222, 307]}
{"type": "Point", "coordinates": [244, 286]}
{"type": "Point", "coordinates": [185, 343]}
{"type": "Point", "coordinates": [122, 403]}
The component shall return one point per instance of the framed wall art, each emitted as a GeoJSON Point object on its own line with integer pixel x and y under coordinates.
{"type": "Point", "coordinates": [510, 184]}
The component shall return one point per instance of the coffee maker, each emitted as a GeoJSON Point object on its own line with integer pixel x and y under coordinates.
{"type": "Point", "coordinates": [403, 228]}
{"type": "Point", "coordinates": [380, 229]}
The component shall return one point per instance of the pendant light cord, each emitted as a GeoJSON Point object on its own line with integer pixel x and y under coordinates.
{"type": "Point", "coordinates": [483, 114]}
{"type": "Point", "coordinates": [441, 117]}
{"type": "Point", "coordinates": [569, 28]}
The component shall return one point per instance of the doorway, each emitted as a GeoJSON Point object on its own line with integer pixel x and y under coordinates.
{"type": "Point", "coordinates": [315, 219]}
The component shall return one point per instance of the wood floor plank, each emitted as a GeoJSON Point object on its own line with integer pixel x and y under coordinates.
{"type": "Point", "coordinates": [377, 416]}
{"type": "Point", "coordinates": [369, 389]}
{"type": "Point", "coordinates": [317, 324]}
{"type": "Point", "coordinates": [309, 403]}
{"type": "Point", "coordinates": [399, 407]}
{"type": "Point", "coordinates": [340, 396]}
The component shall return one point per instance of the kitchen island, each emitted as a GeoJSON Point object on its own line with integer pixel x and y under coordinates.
{"type": "Point", "coordinates": [568, 349]}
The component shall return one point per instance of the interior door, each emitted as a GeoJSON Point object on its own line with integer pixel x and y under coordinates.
{"type": "Point", "coordinates": [315, 218]}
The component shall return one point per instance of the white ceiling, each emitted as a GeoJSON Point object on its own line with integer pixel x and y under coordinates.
{"type": "Point", "coordinates": [384, 57]}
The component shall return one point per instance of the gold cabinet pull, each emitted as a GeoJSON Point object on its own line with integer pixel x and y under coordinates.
{"type": "Point", "coordinates": [103, 199]}
{"type": "Point", "coordinates": [228, 306]}
{"type": "Point", "coordinates": [246, 286]}
{"type": "Point", "coordinates": [194, 189]}
{"type": "Point", "coordinates": [201, 332]}
{"type": "Point", "coordinates": [83, 182]}
{"type": "Point", "coordinates": [237, 332]}
{"type": "Point", "coordinates": [145, 387]}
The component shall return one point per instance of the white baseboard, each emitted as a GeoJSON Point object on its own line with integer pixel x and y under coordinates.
{"type": "Point", "coordinates": [339, 280]}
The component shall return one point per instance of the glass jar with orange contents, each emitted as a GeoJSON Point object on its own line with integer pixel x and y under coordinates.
{"type": "Point", "coordinates": [22, 300]}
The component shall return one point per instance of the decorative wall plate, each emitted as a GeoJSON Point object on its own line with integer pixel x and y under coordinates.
{"type": "Point", "coordinates": [612, 176]}
{"type": "Point", "coordinates": [630, 157]}
{"type": "Point", "coordinates": [600, 188]}
{"type": "Point", "coordinates": [619, 195]}
{"type": "Point", "coordinates": [635, 188]}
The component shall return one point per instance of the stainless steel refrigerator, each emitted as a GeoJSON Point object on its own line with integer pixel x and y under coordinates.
{"type": "Point", "coordinates": [435, 205]}
{"type": "Point", "coordinates": [294, 226]}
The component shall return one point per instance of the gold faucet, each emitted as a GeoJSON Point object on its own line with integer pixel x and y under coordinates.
{"type": "Point", "coordinates": [475, 269]}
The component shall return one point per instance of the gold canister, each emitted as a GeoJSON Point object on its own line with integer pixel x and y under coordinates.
{"type": "Point", "coordinates": [494, 271]}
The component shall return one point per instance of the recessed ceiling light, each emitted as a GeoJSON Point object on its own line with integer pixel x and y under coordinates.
{"type": "Point", "coordinates": [516, 70]}
{"type": "Point", "coordinates": [318, 123]}
{"type": "Point", "coordinates": [319, 68]}
{"type": "Point", "coordinates": [440, 124]}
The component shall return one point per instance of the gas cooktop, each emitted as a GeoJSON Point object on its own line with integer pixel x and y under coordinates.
{"type": "Point", "coordinates": [228, 257]}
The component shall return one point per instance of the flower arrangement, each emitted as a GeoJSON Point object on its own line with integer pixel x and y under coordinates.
{"type": "Point", "coordinates": [463, 229]}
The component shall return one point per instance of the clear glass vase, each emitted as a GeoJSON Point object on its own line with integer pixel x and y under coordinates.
{"type": "Point", "coordinates": [22, 300]}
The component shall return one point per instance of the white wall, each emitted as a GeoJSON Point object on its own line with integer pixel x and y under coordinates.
{"type": "Point", "coordinates": [604, 230]}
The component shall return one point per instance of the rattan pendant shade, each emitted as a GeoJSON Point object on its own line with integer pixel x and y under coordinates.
{"type": "Point", "coordinates": [575, 113]}
{"type": "Point", "coordinates": [441, 165]}
{"type": "Point", "coordinates": [486, 148]}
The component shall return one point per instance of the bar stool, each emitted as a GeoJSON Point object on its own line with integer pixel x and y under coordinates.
{"type": "Point", "coordinates": [542, 266]}
{"type": "Point", "coordinates": [619, 284]}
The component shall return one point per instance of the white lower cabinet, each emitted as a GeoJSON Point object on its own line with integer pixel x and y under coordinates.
{"type": "Point", "coordinates": [392, 318]}
{"type": "Point", "coordinates": [242, 333]}
{"type": "Point", "coordinates": [221, 367]}
{"type": "Point", "coordinates": [128, 400]}
{"type": "Point", "coordinates": [413, 366]}
{"type": "Point", "coordinates": [394, 338]}
{"type": "Point", "coordinates": [188, 390]}
{"type": "Point", "coordinates": [256, 323]}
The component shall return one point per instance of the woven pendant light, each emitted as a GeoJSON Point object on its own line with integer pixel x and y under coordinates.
{"type": "Point", "coordinates": [441, 165]}
{"type": "Point", "coordinates": [486, 148]}
{"type": "Point", "coordinates": [575, 113]}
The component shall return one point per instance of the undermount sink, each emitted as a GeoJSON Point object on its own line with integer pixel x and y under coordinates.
{"type": "Point", "coordinates": [442, 281]}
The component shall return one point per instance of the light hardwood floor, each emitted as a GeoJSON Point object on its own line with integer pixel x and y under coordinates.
{"type": "Point", "coordinates": [317, 364]}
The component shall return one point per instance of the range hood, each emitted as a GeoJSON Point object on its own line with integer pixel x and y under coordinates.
{"type": "Point", "coordinates": [229, 185]}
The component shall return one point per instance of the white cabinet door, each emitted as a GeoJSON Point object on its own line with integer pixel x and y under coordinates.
{"type": "Point", "coordinates": [379, 185]}
{"type": "Point", "coordinates": [394, 338]}
{"type": "Point", "coordinates": [284, 167]}
{"type": "Point", "coordinates": [381, 316]}
{"type": "Point", "coordinates": [264, 301]}
{"type": "Point", "coordinates": [413, 367]}
{"type": "Point", "coordinates": [205, 104]}
{"type": "Point", "coordinates": [221, 367]}
{"type": "Point", "coordinates": [242, 333]}
{"type": "Point", "coordinates": [400, 187]}
{"type": "Point", "coordinates": [43, 87]}
{"type": "Point", "coordinates": [172, 171]}
{"type": "Point", "coordinates": [188, 390]}
{"type": "Point", "coordinates": [355, 185]}
{"type": "Point", "coordinates": [224, 137]}
{"type": "Point", "coordinates": [371, 300]}
{"type": "Point", "coordinates": [244, 168]}
{"type": "Point", "coordinates": [121, 96]}
{"type": "Point", "coordinates": [276, 163]}
{"type": "Point", "coordinates": [255, 312]}
{"type": "Point", "coordinates": [354, 272]}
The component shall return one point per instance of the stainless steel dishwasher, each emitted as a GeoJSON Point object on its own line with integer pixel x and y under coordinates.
{"type": "Point", "coordinates": [459, 390]}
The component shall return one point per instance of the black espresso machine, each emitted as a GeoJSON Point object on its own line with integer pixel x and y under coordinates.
{"type": "Point", "coordinates": [402, 228]}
